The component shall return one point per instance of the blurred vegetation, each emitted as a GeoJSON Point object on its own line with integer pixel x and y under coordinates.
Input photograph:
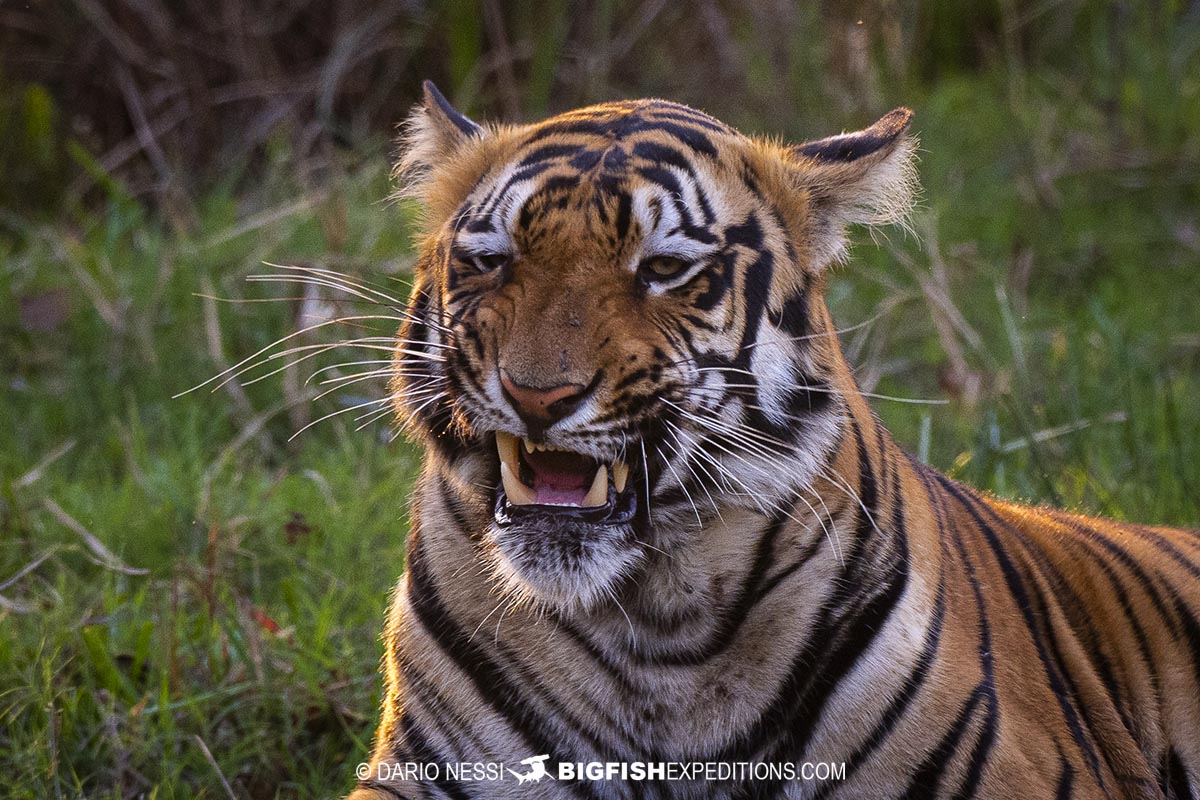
{"type": "Point", "coordinates": [190, 597]}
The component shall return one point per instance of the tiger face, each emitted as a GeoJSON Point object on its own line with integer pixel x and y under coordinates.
{"type": "Point", "coordinates": [616, 326]}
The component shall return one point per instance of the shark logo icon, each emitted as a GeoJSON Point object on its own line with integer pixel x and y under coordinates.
{"type": "Point", "coordinates": [537, 770]}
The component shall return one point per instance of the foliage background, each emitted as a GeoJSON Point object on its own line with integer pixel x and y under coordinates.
{"type": "Point", "coordinates": [190, 598]}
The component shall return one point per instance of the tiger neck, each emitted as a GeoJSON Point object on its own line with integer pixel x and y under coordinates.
{"type": "Point", "coordinates": [834, 559]}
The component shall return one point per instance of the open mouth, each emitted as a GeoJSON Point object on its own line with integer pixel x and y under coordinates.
{"type": "Point", "coordinates": [547, 480]}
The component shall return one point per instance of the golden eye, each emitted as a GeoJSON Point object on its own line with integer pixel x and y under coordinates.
{"type": "Point", "coordinates": [661, 268]}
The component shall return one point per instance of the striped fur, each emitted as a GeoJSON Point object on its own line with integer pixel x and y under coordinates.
{"type": "Point", "coordinates": [794, 586]}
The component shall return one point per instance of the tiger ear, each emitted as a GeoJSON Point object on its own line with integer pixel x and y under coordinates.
{"type": "Point", "coordinates": [866, 177]}
{"type": "Point", "coordinates": [449, 126]}
{"type": "Point", "coordinates": [433, 133]}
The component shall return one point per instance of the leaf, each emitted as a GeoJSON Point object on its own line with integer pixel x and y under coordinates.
{"type": "Point", "coordinates": [95, 642]}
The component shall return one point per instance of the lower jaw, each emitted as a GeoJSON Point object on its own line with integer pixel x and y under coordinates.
{"type": "Point", "coordinates": [561, 557]}
{"type": "Point", "coordinates": [620, 509]}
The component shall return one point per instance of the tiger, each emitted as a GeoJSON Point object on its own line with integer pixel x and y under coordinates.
{"type": "Point", "coordinates": [657, 522]}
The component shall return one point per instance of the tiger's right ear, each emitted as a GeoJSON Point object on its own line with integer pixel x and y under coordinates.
{"type": "Point", "coordinates": [432, 134]}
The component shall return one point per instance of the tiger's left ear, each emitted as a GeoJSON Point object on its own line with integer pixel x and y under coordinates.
{"type": "Point", "coordinates": [866, 177]}
{"type": "Point", "coordinates": [433, 133]}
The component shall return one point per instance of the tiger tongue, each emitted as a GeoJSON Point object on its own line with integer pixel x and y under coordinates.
{"type": "Point", "coordinates": [560, 478]}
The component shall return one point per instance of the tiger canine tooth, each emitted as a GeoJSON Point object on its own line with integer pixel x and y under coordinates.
{"type": "Point", "coordinates": [506, 446]}
{"type": "Point", "coordinates": [529, 446]}
{"type": "Point", "coordinates": [518, 493]}
{"type": "Point", "coordinates": [598, 494]}
{"type": "Point", "coordinates": [620, 474]}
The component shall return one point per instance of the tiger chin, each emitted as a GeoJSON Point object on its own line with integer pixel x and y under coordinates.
{"type": "Point", "coordinates": [658, 523]}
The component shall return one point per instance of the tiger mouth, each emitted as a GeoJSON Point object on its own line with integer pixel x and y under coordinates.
{"type": "Point", "coordinates": [536, 479]}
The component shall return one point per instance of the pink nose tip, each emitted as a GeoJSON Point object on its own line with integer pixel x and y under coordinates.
{"type": "Point", "coordinates": [541, 408]}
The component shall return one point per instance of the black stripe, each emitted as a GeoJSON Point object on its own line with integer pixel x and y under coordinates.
{"type": "Point", "coordinates": [416, 686]}
{"type": "Point", "coordinates": [792, 317]}
{"type": "Point", "coordinates": [1144, 580]}
{"type": "Point", "coordinates": [661, 154]}
{"type": "Point", "coordinates": [454, 505]}
{"type": "Point", "coordinates": [497, 195]}
{"type": "Point", "coordinates": [503, 696]}
{"type": "Point", "coordinates": [1163, 544]}
{"type": "Point", "coordinates": [903, 699]}
{"type": "Point", "coordinates": [866, 626]}
{"type": "Point", "coordinates": [714, 293]}
{"type": "Point", "coordinates": [1191, 635]}
{"type": "Point", "coordinates": [624, 214]}
{"type": "Point", "coordinates": [1066, 780]}
{"type": "Point", "coordinates": [846, 624]}
{"type": "Point", "coordinates": [940, 758]}
{"type": "Point", "coordinates": [422, 752]}
{"type": "Point", "coordinates": [926, 779]}
{"type": "Point", "coordinates": [1127, 610]}
{"type": "Point", "coordinates": [670, 183]}
{"type": "Point", "coordinates": [548, 152]}
{"type": "Point", "coordinates": [1044, 642]}
{"type": "Point", "coordinates": [1176, 780]}
{"type": "Point", "coordinates": [693, 139]}
{"type": "Point", "coordinates": [692, 116]}
{"type": "Point", "coordinates": [586, 160]}
{"type": "Point", "coordinates": [1080, 619]}
{"type": "Point", "coordinates": [735, 614]}
{"type": "Point", "coordinates": [376, 786]}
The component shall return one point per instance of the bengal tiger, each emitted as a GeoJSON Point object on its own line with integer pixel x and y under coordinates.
{"type": "Point", "coordinates": [658, 523]}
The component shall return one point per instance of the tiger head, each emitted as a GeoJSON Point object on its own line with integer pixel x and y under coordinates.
{"type": "Point", "coordinates": [617, 327]}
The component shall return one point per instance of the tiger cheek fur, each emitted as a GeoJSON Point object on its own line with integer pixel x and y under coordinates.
{"type": "Point", "coordinates": [658, 522]}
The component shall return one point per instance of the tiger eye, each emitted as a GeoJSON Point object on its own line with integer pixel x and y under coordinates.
{"type": "Point", "coordinates": [661, 268]}
{"type": "Point", "coordinates": [489, 262]}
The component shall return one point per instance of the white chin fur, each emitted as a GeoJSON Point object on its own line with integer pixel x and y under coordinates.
{"type": "Point", "coordinates": [567, 575]}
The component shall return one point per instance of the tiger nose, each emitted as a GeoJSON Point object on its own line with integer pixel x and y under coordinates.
{"type": "Point", "coordinates": [540, 408]}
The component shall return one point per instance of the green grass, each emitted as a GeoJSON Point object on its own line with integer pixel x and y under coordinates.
{"type": "Point", "coordinates": [1065, 239]}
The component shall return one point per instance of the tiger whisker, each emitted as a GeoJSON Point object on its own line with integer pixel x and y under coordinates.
{"type": "Point", "coordinates": [382, 372]}
{"type": "Point", "coordinates": [336, 280]}
{"type": "Point", "coordinates": [837, 548]}
{"type": "Point", "coordinates": [833, 539]}
{"type": "Point", "coordinates": [412, 414]}
{"type": "Point", "coordinates": [740, 431]}
{"type": "Point", "coordinates": [371, 418]}
{"type": "Point", "coordinates": [336, 275]}
{"type": "Point", "coordinates": [848, 490]}
{"type": "Point", "coordinates": [503, 600]}
{"type": "Point", "coordinates": [314, 351]}
{"type": "Point", "coordinates": [688, 463]}
{"type": "Point", "coordinates": [344, 364]}
{"type": "Point", "coordinates": [346, 380]}
{"type": "Point", "coordinates": [514, 601]}
{"type": "Point", "coordinates": [819, 389]}
{"type": "Point", "coordinates": [613, 596]}
{"type": "Point", "coordinates": [731, 476]}
{"type": "Point", "coordinates": [355, 407]}
{"type": "Point", "coordinates": [352, 289]}
{"type": "Point", "coordinates": [276, 343]}
{"type": "Point", "coordinates": [646, 476]}
{"type": "Point", "coordinates": [682, 487]}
